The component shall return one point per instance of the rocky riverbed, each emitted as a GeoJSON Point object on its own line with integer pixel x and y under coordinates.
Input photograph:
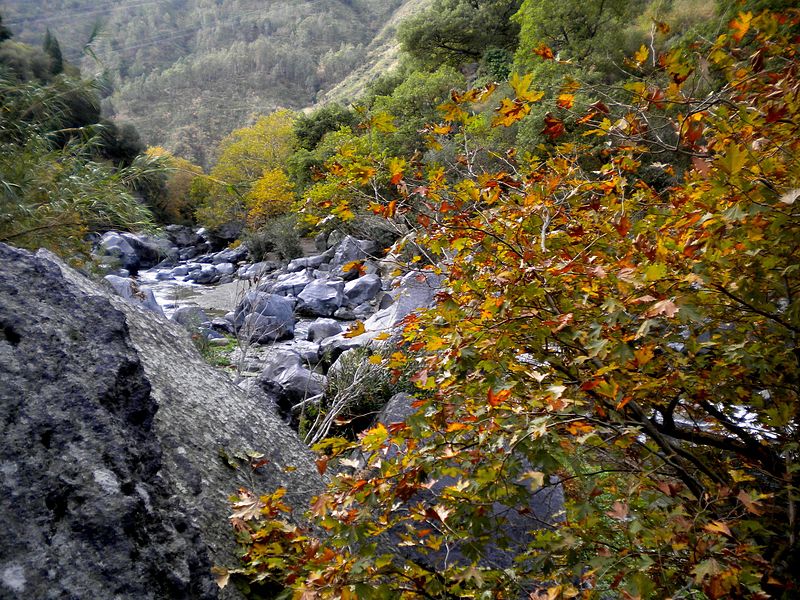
{"type": "Point", "coordinates": [284, 325]}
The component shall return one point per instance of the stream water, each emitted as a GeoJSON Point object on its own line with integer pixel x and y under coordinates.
{"type": "Point", "coordinates": [172, 293]}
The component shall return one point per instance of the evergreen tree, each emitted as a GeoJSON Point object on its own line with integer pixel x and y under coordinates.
{"type": "Point", "coordinates": [5, 33]}
{"type": "Point", "coordinates": [53, 50]}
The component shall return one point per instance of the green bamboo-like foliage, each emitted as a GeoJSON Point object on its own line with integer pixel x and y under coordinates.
{"type": "Point", "coordinates": [54, 189]}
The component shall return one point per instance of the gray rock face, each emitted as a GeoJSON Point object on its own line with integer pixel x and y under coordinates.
{"type": "Point", "coordinates": [416, 291]}
{"type": "Point", "coordinates": [256, 271]}
{"type": "Point", "coordinates": [225, 268]}
{"type": "Point", "coordinates": [208, 274]}
{"type": "Point", "coordinates": [151, 250]}
{"type": "Point", "coordinates": [308, 262]}
{"type": "Point", "coordinates": [222, 325]}
{"type": "Point", "coordinates": [263, 317]}
{"type": "Point", "coordinates": [182, 236]}
{"type": "Point", "coordinates": [110, 480]}
{"type": "Point", "coordinates": [285, 369]}
{"type": "Point", "coordinates": [288, 284]}
{"type": "Point", "coordinates": [323, 328]}
{"type": "Point", "coordinates": [321, 297]}
{"type": "Point", "coordinates": [181, 271]}
{"type": "Point", "coordinates": [190, 317]}
{"type": "Point", "coordinates": [130, 290]}
{"type": "Point", "coordinates": [224, 234]}
{"type": "Point", "coordinates": [230, 256]}
{"type": "Point", "coordinates": [112, 244]}
{"type": "Point", "coordinates": [348, 250]}
{"type": "Point", "coordinates": [362, 289]}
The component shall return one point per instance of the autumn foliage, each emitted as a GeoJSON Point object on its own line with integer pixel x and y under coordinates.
{"type": "Point", "coordinates": [621, 315]}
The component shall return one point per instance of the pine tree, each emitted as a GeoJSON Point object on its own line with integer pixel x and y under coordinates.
{"type": "Point", "coordinates": [5, 33]}
{"type": "Point", "coordinates": [53, 50]}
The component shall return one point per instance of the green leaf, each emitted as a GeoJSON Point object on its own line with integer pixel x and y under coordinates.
{"type": "Point", "coordinates": [655, 272]}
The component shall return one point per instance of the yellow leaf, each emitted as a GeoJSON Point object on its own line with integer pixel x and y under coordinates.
{"type": "Point", "coordinates": [521, 87]}
{"type": "Point", "coordinates": [383, 122]}
{"type": "Point", "coordinates": [375, 359]}
{"type": "Point", "coordinates": [510, 112]}
{"type": "Point", "coordinates": [641, 55]}
{"type": "Point", "coordinates": [354, 265]}
{"type": "Point", "coordinates": [373, 438]}
{"type": "Point", "coordinates": [452, 112]}
{"type": "Point", "coordinates": [565, 101]}
{"type": "Point", "coordinates": [435, 344]}
{"type": "Point", "coordinates": [355, 330]}
{"type": "Point", "coordinates": [456, 427]}
{"type": "Point", "coordinates": [396, 168]}
{"type": "Point", "coordinates": [741, 25]}
{"type": "Point", "coordinates": [644, 355]}
{"type": "Point", "coordinates": [362, 173]}
{"type": "Point", "coordinates": [718, 527]}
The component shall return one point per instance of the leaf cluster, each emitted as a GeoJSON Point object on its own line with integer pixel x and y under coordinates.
{"type": "Point", "coordinates": [633, 343]}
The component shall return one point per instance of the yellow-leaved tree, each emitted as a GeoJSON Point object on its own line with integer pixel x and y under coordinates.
{"type": "Point", "coordinates": [271, 196]}
{"type": "Point", "coordinates": [174, 202]}
{"type": "Point", "coordinates": [247, 156]}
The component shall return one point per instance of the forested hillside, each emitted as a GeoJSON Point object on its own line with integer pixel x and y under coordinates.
{"type": "Point", "coordinates": [187, 72]}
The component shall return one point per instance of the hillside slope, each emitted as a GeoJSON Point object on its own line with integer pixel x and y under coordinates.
{"type": "Point", "coordinates": [187, 72]}
{"type": "Point", "coordinates": [381, 55]}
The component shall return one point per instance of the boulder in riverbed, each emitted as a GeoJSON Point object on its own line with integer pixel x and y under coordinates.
{"type": "Point", "coordinates": [261, 317]}
{"type": "Point", "coordinates": [362, 289]}
{"type": "Point", "coordinates": [285, 373]}
{"type": "Point", "coordinates": [321, 297]}
{"type": "Point", "coordinates": [127, 288]}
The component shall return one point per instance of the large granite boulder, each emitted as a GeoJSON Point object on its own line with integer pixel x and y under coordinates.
{"type": "Point", "coordinates": [111, 481]}
{"type": "Point", "coordinates": [182, 235]}
{"type": "Point", "coordinates": [416, 291]}
{"type": "Point", "coordinates": [321, 297]}
{"type": "Point", "coordinates": [190, 317]}
{"type": "Point", "coordinates": [362, 289]}
{"type": "Point", "coordinates": [151, 250]}
{"type": "Point", "coordinates": [127, 288]}
{"type": "Point", "coordinates": [324, 328]}
{"type": "Point", "coordinates": [134, 252]}
{"type": "Point", "coordinates": [206, 275]}
{"type": "Point", "coordinates": [288, 284]}
{"type": "Point", "coordinates": [261, 317]}
{"type": "Point", "coordinates": [256, 271]}
{"type": "Point", "coordinates": [308, 262]}
{"type": "Point", "coordinates": [223, 235]}
{"type": "Point", "coordinates": [349, 250]}
{"type": "Point", "coordinates": [284, 372]}
{"type": "Point", "coordinates": [116, 247]}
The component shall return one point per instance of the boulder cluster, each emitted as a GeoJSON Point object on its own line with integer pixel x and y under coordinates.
{"type": "Point", "coordinates": [304, 311]}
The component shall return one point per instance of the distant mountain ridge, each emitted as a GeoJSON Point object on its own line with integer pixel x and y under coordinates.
{"type": "Point", "coordinates": [187, 72]}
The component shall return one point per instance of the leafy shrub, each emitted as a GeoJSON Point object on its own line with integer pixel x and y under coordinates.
{"type": "Point", "coordinates": [358, 388]}
{"type": "Point", "coordinates": [640, 344]}
{"type": "Point", "coordinates": [279, 235]}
